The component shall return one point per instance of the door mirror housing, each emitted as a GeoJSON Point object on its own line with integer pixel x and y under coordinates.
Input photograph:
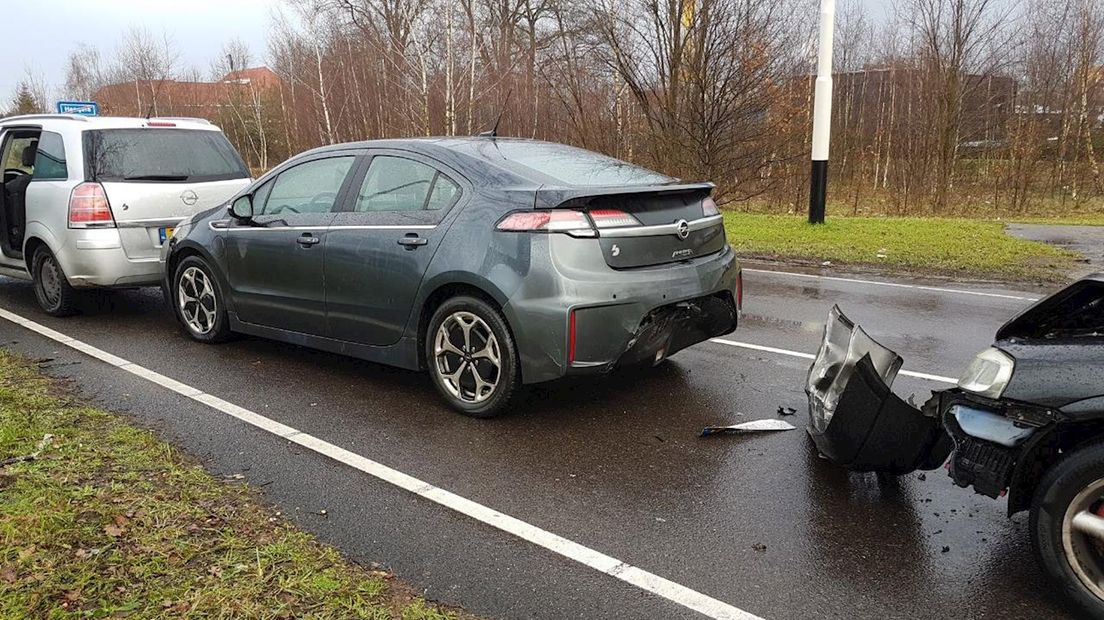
{"type": "Point", "coordinates": [242, 207]}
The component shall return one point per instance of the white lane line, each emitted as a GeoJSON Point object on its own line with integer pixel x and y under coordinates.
{"type": "Point", "coordinates": [676, 593]}
{"type": "Point", "coordinates": [893, 284]}
{"type": "Point", "coordinates": [809, 356]}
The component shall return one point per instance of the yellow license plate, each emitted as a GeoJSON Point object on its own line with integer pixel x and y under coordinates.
{"type": "Point", "coordinates": [165, 233]}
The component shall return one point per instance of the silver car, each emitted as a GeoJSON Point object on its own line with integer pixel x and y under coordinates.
{"type": "Point", "coordinates": [87, 202]}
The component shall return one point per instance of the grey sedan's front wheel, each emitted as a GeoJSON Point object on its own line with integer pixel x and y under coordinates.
{"type": "Point", "coordinates": [471, 356]}
{"type": "Point", "coordinates": [198, 303]}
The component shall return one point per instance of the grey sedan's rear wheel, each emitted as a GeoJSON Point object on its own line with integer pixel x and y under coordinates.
{"type": "Point", "coordinates": [1067, 526]}
{"type": "Point", "coordinates": [51, 287]}
{"type": "Point", "coordinates": [198, 302]}
{"type": "Point", "coordinates": [471, 356]}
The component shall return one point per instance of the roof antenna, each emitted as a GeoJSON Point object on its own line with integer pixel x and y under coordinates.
{"type": "Point", "coordinates": [493, 133]}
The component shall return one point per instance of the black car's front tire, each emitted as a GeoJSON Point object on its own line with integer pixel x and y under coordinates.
{"type": "Point", "coordinates": [52, 290]}
{"type": "Point", "coordinates": [471, 357]}
{"type": "Point", "coordinates": [1066, 511]}
{"type": "Point", "coordinates": [198, 302]}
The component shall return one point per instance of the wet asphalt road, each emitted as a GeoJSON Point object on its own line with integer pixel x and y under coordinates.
{"type": "Point", "coordinates": [614, 464]}
{"type": "Point", "coordinates": [1085, 240]}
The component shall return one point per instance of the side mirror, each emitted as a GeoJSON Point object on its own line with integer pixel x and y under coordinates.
{"type": "Point", "coordinates": [242, 208]}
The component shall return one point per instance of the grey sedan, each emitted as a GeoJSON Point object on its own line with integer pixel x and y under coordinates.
{"type": "Point", "coordinates": [489, 262]}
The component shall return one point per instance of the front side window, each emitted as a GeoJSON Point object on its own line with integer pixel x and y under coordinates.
{"type": "Point", "coordinates": [311, 187]}
{"type": "Point", "coordinates": [17, 156]}
{"type": "Point", "coordinates": [399, 184]}
{"type": "Point", "coordinates": [49, 162]}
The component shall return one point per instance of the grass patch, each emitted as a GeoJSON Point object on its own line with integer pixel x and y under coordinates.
{"type": "Point", "coordinates": [108, 521]}
{"type": "Point", "coordinates": [944, 246]}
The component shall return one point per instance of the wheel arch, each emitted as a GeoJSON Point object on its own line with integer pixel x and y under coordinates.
{"type": "Point", "coordinates": [185, 250]}
{"type": "Point", "coordinates": [444, 292]}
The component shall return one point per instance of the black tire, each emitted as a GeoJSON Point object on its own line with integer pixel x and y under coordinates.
{"type": "Point", "coordinates": [213, 323]}
{"type": "Point", "coordinates": [52, 289]}
{"type": "Point", "coordinates": [1058, 488]}
{"type": "Point", "coordinates": [466, 395]}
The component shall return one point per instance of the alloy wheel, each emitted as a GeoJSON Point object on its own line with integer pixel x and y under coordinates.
{"type": "Point", "coordinates": [196, 299]}
{"type": "Point", "coordinates": [1083, 537]}
{"type": "Point", "coordinates": [467, 357]}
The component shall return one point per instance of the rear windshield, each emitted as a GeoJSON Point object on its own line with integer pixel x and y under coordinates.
{"type": "Point", "coordinates": [575, 166]}
{"type": "Point", "coordinates": [161, 155]}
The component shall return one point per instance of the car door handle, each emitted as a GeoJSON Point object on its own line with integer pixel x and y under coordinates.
{"type": "Point", "coordinates": [307, 239]}
{"type": "Point", "coordinates": [412, 241]}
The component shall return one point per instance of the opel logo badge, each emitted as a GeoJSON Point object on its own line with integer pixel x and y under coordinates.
{"type": "Point", "coordinates": [189, 198]}
{"type": "Point", "coordinates": [682, 229]}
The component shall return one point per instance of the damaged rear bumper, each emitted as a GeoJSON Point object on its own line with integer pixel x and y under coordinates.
{"type": "Point", "coordinates": [855, 419]}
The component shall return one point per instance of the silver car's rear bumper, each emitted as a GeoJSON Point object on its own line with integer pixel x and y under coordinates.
{"type": "Point", "coordinates": [95, 258]}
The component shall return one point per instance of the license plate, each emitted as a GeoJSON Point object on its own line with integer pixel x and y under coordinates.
{"type": "Point", "coordinates": [165, 233]}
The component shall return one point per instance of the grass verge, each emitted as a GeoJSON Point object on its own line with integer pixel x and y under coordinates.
{"type": "Point", "coordinates": [938, 246]}
{"type": "Point", "coordinates": [110, 522]}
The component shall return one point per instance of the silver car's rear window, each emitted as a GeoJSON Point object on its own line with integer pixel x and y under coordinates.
{"type": "Point", "coordinates": [161, 155]}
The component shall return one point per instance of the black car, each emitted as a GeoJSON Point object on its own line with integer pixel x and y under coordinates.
{"type": "Point", "coordinates": [1026, 421]}
{"type": "Point", "coordinates": [490, 262]}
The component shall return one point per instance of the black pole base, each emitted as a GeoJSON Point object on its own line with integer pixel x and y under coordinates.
{"type": "Point", "coordinates": [818, 191]}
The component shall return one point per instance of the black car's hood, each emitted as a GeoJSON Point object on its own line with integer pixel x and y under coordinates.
{"type": "Point", "coordinates": [1055, 373]}
{"type": "Point", "coordinates": [1076, 311]}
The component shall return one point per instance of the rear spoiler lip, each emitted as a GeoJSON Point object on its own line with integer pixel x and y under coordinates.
{"type": "Point", "coordinates": [553, 196]}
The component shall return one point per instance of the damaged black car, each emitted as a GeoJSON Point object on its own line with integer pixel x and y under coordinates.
{"type": "Point", "coordinates": [1025, 421]}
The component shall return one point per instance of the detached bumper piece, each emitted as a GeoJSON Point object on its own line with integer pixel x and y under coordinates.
{"type": "Point", "coordinates": [855, 419]}
{"type": "Point", "coordinates": [669, 329]}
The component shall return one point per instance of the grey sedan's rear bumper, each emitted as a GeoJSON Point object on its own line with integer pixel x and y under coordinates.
{"type": "Point", "coordinates": [623, 317]}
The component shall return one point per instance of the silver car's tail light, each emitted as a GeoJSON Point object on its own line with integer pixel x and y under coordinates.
{"type": "Point", "coordinates": [567, 221]}
{"type": "Point", "coordinates": [89, 207]}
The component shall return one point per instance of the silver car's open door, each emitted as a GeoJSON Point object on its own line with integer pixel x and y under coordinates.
{"type": "Point", "coordinates": [855, 419]}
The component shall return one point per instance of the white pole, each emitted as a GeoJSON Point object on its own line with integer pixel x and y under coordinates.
{"type": "Point", "coordinates": [822, 114]}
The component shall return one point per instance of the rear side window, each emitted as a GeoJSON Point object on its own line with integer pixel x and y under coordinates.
{"type": "Point", "coordinates": [166, 155]}
{"type": "Point", "coordinates": [50, 158]}
{"type": "Point", "coordinates": [399, 184]}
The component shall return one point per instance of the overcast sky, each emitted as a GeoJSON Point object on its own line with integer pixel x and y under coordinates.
{"type": "Point", "coordinates": [39, 34]}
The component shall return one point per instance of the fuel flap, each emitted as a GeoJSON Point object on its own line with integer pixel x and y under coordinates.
{"type": "Point", "coordinates": [855, 419]}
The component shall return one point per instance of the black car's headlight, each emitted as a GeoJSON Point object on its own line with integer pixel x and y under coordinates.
{"type": "Point", "coordinates": [988, 374]}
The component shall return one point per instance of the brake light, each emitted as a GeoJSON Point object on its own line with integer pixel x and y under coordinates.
{"type": "Point", "coordinates": [709, 207]}
{"type": "Point", "coordinates": [567, 221]}
{"type": "Point", "coordinates": [89, 207]}
{"type": "Point", "coordinates": [571, 338]}
{"type": "Point", "coordinates": [612, 218]}
{"type": "Point", "coordinates": [160, 124]}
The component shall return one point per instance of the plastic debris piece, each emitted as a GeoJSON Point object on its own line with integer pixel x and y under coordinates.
{"type": "Point", "coordinates": [786, 410]}
{"type": "Point", "coordinates": [755, 426]}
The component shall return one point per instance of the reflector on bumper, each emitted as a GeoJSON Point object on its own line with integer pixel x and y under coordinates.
{"type": "Point", "coordinates": [855, 419]}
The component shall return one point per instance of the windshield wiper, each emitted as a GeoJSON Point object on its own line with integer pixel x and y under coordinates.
{"type": "Point", "coordinates": [157, 177]}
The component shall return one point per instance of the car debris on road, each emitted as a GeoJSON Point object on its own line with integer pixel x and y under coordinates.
{"type": "Point", "coordinates": [1025, 421]}
{"type": "Point", "coordinates": [744, 428]}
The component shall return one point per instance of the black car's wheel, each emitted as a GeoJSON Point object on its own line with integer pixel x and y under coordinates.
{"type": "Point", "coordinates": [1067, 526]}
{"type": "Point", "coordinates": [198, 303]}
{"type": "Point", "coordinates": [471, 357]}
{"type": "Point", "coordinates": [51, 287]}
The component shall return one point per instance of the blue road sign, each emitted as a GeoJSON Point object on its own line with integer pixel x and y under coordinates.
{"type": "Point", "coordinates": [84, 108]}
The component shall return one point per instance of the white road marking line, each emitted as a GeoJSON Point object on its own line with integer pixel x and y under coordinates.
{"type": "Point", "coordinates": [893, 284]}
{"type": "Point", "coordinates": [665, 588]}
{"type": "Point", "coordinates": [809, 356]}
